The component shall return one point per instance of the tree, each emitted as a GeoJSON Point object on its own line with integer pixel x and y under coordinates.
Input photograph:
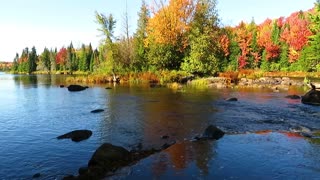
{"type": "Point", "coordinates": [295, 33]}
{"type": "Point", "coordinates": [312, 55]}
{"type": "Point", "coordinates": [44, 60]}
{"type": "Point", "coordinates": [71, 62]}
{"type": "Point", "coordinates": [203, 36]}
{"type": "Point", "coordinates": [139, 49]}
{"type": "Point", "coordinates": [167, 31]}
{"type": "Point", "coordinates": [107, 25]}
{"type": "Point", "coordinates": [244, 38]}
{"type": "Point", "coordinates": [32, 60]}
{"type": "Point", "coordinates": [61, 58]}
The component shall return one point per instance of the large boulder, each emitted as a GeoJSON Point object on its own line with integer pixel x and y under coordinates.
{"type": "Point", "coordinates": [312, 97]}
{"type": "Point", "coordinates": [74, 88]}
{"type": "Point", "coordinates": [212, 132]}
{"type": "Point", "coordinates": [108, 155]}
{"type": "Point", "coordinates": [77, 135]}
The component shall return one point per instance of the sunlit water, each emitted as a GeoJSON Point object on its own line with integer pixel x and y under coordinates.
{"type": "Point", "coordinates": [34, 110]}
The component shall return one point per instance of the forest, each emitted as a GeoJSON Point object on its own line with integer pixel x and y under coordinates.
{"type": "Point", "coordinates": [187, 36]}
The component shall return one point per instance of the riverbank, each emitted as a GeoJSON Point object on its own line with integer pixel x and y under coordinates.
{"type": "Point", "coordinates": [175, 79]}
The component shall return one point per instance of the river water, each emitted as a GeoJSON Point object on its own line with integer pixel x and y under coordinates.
{"type": "Point", "coordinates": [34, 110]}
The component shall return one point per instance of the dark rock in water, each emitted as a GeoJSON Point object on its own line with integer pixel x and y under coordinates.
{"type": "Point", "coordinates": [77, 135]}
{"type": "Point", "coordinates": [293, 96]}
{"type": "Point", "coordinates": [108, 158]}
{"type": "Point", "coordinates": [83, 170]}
{"type": "Point", "coordinates": [107, 155]}
{"type": "Point", "coordinates": [74, 88]}
{"type": "Point", "coordinates": [269, 121]}
{"type": "Point", "coordinates": [108, 88]}
{"type": "Point", "coordinates": [312, 97]}
{"type": "Point", "coordinates": [69, 177]}
{"type": "Point", "coordinates": [212, 132]}
{"type": "Point", "coordinates": [61, 86]}
{"type": "Point", "coordinates": [36, 175]}
{"type": "Point", "coordinates": [165, 137]}
{"type": "Point", "coordinates": [232, 99]}
{"type": "Point", "coordinates": [97, 110]}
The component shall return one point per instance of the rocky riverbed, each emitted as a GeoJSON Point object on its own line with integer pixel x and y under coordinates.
{"type": "Point", "coordinates": [263, 82]}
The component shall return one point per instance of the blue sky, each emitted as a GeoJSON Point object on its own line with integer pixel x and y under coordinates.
{"type": "Point", "coordinates": [55, 23]}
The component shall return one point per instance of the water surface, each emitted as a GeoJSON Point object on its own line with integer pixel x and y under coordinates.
{"type": "Point", "coordinates": [34, 110]}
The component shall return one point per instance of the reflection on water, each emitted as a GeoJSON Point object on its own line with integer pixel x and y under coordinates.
{"type": "Point", "coordinates": [244, 156]}
{"type": "Point", "coordinates": [34, 110]}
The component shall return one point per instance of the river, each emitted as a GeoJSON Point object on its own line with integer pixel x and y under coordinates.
{"type": "Point", "coordinates": [34, 110]}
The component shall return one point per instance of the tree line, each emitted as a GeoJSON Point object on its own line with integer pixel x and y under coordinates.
{"type": "Point", "coordinates": [186, 35]}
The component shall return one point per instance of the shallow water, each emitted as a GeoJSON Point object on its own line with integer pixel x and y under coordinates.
{"type": "Point", "coordinates": [34, 110]}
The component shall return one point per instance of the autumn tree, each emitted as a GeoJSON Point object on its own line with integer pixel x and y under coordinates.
{"type": "Point", "coordinates": [61, 58]}
{"type": "Point", "coordinates": [295, 34]}
{"type": "Point", "coordinates": [166, 33]}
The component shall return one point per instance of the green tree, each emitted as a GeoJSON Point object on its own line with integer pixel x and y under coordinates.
{"type": "Point", "coordinates": [140, 50]}
{"type": "Point", "coordinates": [33, 58]}
{"type": "Point", "coordinates": [107, 26]}
{"type": "Point", "coordinates": [15, 63]}
{"type": "Point", "coordinates": [312, 55]}
{"type": "Point", "coordinates": [203, 50]}
{"type": "Point", "coordinates": [44, 60]}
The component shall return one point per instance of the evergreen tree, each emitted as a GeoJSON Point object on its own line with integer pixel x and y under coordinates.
{"type": "Point", "coordinates": [15, 63]}
{"type": "Point", "coordinates": [140, 51]}
{"type": "Point", "coordinates": [312, 50]}
{"type": "Point", "coordinates": [32, 60]}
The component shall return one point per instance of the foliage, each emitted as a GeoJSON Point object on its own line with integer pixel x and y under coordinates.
{"type": "Point", "coordinates": [185, 37]}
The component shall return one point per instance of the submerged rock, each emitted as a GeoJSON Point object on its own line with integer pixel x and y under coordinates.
{"type": "Point", "coordinates": [212, 132]}
{"type": "Point", "coordinates": [97, 110]}
{"type": "Point", "coordinates": [232, 99]}
{"type": "Point", "coordinates": [293, 96]}
{"type": "Point", "coordinates": [312, 97]}
{"type": "Point", "coordinates": [77, 135]}
{"type": "Point", "coordinates": [74, 88]}
{"type": "Point", "coordinates": [37, 175]}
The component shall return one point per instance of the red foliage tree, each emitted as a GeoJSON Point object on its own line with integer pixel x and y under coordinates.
{"type": "Point", "coordinates": [244, 38]}
{"type": "Point", "coordinates": [265, 38]}
{"type": "Point", "coordinates": [61, 56]}
{"type": "Point", "coordinates": [295, 33]}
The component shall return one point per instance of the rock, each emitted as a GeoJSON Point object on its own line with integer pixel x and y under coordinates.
{"type": "Point", "coordinates": [83, 170]}
{"type": "Point", "coordinates": [212, 132]}
{"type": "Point", "coordinates": [74, 88]}
{"type": "Point", "coordinates": [77, 135]}
{"type": "Point", "coordinates": [108, 155]}
{"type": "Point", "coordinates": [108, 88]}
{"type": "Point", "coordinates": [232, 99]}
{"type": "Point", "coordinates": [293, 96]}
{"type": "Point", "coordinates": [108, 158]}
{"type": "Point", "coordinates": [165, 137]}
{"type": "Point", "coordinates": [97, 110]}
{"type": "Point", "coordinates": [61, 86]}
{"type": "Point", "coordinates": [36, 175]}
{"type": "Point", "coordinates": [300, 129]}
{"type": "Point", "coordinates": [312, 97]}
